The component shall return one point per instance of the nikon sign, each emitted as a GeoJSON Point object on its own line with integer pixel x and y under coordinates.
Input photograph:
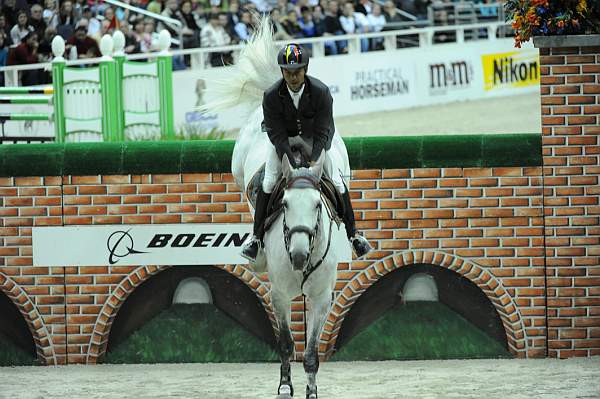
{"type": "Point", "coordinates": [511, 69]}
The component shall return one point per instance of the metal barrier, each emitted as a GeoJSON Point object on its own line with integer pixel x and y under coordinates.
{"type": "Point", "coordinates": [116, 100]}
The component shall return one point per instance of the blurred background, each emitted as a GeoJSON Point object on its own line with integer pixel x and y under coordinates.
{"type": "Point", "coordinates": [403, 67]}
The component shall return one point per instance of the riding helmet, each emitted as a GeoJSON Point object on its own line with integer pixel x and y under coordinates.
{"type": "Point", "coordinates": [292, 56]}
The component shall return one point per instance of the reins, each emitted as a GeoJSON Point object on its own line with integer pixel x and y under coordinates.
{"type": "Point", "coordinates": [312, 234]}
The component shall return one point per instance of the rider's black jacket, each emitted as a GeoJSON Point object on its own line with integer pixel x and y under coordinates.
{"type": "Point", "coordinates": [313, 118]}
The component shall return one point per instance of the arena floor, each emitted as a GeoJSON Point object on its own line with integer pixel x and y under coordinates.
{"type": "Point", "coordinates": [489, 379]}
{"type": "Point", "coordinates": [514, 114]}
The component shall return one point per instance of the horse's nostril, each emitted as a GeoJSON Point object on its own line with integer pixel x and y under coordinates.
{"type": "Point", "coordinates": [298, 260]}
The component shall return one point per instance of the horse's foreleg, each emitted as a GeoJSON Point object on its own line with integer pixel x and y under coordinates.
{"type": "Point", "coordinates": [285, 344]}
{"type": "Point", "coordinates": [319, 306]}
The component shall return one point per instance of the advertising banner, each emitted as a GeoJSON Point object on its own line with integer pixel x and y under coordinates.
{"type": "Point", "coordinates": [511, 70]}
{"type": "Point", "coordinates": [391, 80]}
{"type": "Point", "coordinates": [181, 244]}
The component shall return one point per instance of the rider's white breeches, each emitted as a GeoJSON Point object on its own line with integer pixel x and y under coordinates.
{"type": "Point", "coordinates": [273, 170]}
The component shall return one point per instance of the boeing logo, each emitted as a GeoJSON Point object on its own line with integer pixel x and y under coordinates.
{"type": "Point", "coordinates": [120, 245]}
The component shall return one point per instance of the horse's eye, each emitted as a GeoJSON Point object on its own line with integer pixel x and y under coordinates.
{"type": "Point", "coordinates": [318, 206]}
{"type": "Point", "coordinates": [285, 205]}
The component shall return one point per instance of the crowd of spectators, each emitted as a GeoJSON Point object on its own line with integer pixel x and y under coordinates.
{"type": "Point", "coordinates": [27, 27]}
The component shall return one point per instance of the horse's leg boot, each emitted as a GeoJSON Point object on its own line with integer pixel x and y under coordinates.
{"type": "Point", "coordinates": [251, 247]}
{"type": "Point", "coordinates": [360, 244]}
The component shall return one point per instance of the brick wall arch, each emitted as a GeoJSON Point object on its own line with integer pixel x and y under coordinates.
{"type": "Point", "coordinates": [102, 327]}
{"type": "Point", "coordinates": [486, 281]}
{"type": "Point", "coordinates": [41, 338]}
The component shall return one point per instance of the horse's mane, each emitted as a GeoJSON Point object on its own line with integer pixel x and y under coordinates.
{"type": "Point", "coordinates": [254, 72]}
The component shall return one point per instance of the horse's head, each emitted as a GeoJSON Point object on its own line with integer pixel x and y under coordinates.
{"type": "Point", "coordinates": [302, 210]}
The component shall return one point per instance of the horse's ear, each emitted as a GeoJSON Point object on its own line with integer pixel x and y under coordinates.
{"type": "Point", "coordinates": [286, 167]}
{"type": "Point", "coordinates": [317, 168]}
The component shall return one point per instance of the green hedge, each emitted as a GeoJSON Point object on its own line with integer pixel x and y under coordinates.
{"type": "Point", "coordinates": [191, 334]}
{"type": "Point", "coordinates": [421, 331]}
{"type": "Point", "coordinates": [215, 155]}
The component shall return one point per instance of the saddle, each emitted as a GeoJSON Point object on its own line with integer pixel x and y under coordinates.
{"type": "Point", "coordinates": [332, 197]}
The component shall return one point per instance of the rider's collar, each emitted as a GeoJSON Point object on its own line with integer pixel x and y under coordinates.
{"type": "Point", "coordinates": [296, 93]}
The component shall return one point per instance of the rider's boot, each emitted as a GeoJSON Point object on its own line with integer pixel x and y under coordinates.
{"type": "Point", "coordinates": [252, 246]}
{"type": "Point", "coordinates": [360, 244]}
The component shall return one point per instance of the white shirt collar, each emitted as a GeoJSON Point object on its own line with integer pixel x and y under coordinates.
{"type": "Point", "coordinates": [296, 95]}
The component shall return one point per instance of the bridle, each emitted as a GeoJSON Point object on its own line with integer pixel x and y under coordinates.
{"type": "Point", "coordinates": [312, 233]}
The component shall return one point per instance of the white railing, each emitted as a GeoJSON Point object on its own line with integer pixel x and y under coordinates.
{"type": "Point", "coordinates": [178, 25]}
{"type": "Point", "coordinates": [199, 56]}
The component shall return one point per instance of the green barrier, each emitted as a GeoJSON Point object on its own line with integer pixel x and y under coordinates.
{"type": "Point", "coordinates": [206, 156]}
{"type": "Point", "coordinates": [98, 93]}
{"type": "Point", "coordinates": [25, 117]}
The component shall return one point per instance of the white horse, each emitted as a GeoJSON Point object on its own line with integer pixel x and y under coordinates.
{"type": "Point", "coordinates": [305, 234]}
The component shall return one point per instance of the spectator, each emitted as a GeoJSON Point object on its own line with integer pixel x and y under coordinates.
{"type": "Point", "coordinates": [354, 22]}
{"type": "Point", "coordinates": [319, 20]}
{"type": "Point", "coordinates": [243, 29]}
{"type": "Point", "coordinates": [131, 44]}
{"type": "Point", "coordinates": [170, 11]}
{"type": "Point", "coordinates": [334, 27]}
{"type": "Point", "coordinates": [4, 29]}
{"type": "Point", "coordinates": [213, 35]}
{"type": "Point", "coordinates": [306, 23]}
{"type": "Point", "coordinates": [138, 32]}
{"type": "Point", "coordinates": [85, 45]}
{"type": "Point", "coordinates": [489, 10]}
{"type": "Point", "coordinates": [155, 6]}
{"type": "Point", "coordinates": [26, 53]}
{"type": "Point", "coordinates": [227, 26]}
{"type": "Point", "coordinates": [10, 11]}
{"type": "Point", "coordinates": [93, 22]}
{"type": "Point", "coordinates": [278, 29]}
{"type": "Point", "coordinates": [284, 7]}
{"type": "Point", "coordinates": [22, 28]}
{"type": "Point", "coordinates": [78, 9]}
{"type": "Point", "coordinates": [45, 49]}
{"type": "Point", "coordinates": [191, 30]}
{"type": "Point", "coordinates": [36, 20]}
{"type": "Point", "coordinates": [391, 13]}
{"type": "Point", "coordinates": [104, 30]}
{"type": "Point", "coordinates": [364, 7]}
{"type": "Point", "coordinates": [66, 20]}
{"type": "Point", "coordinates": [49, 14]}
{"type": "Point", "coordinates": [113, 22]}
{"type": "Point", "coordinates": [376, 22]}
{"type": "Point", "coordinates": [150, 37]}
{"type": "Point", "coordinates": [233, 16]}
{"type": "Point", "coordinates": [290, 24]}
{"type": "Point", "coordinates": [262, 6]}
{"type": "Point", "coordinates": [3, 54]}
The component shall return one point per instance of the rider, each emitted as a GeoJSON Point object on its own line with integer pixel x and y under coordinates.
{"type": "Point", "coordinates": [297, 108]}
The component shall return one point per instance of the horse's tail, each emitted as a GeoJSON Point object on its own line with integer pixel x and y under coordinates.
{"type": "Point", "coordinates": [255, 71]}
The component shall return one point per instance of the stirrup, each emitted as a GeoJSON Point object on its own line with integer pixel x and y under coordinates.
{"type": "Point", "coordinates": [360, 245]}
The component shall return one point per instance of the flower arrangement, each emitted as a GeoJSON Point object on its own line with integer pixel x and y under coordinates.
{"type": "Point", "coordinates": [552, 17]}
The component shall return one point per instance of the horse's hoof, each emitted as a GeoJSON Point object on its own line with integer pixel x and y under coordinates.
{"type": "Point", "coordinates": [311, 393]}
{"type": "Point", "coordinates": [285, 392]}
